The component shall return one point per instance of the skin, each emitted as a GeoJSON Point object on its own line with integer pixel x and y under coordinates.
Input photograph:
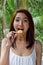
{"type": "Point", "coordinates": [21, 21]}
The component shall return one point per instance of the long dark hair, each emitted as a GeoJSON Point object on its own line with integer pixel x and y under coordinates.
{"type": "Point", "coordinates": [30, 32]}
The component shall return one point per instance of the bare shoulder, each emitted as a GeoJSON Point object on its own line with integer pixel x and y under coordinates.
{"type": "Point", "coordinates": [38, 46]}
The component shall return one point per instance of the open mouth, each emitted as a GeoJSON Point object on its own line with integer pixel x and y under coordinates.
{"type": "Point", "coordinates": [20, 29]}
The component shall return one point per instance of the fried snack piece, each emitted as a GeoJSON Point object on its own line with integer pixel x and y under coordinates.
{"type": "Point", "coordinates": [20, 31]}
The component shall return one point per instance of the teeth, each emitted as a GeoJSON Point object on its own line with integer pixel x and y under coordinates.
{"type": "Point", "coordinates": [20, 29]}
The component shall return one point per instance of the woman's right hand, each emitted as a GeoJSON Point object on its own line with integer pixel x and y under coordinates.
{"type": "Point", "coordinates": [8, 40]}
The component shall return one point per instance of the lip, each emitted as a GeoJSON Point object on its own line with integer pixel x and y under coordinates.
{"type": "Point", "coordinates": [20, 29]}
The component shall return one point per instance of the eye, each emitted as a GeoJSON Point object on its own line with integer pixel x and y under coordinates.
{"type": "Point", "coordinates": [25, 20]}
{"type": "Point", "coordinates": [17, 20]}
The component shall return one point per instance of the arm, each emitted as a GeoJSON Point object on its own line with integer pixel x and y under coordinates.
{"type": "Point", "coordinates": [5, 48]}
{"type": "Point", "coordinates": [38, 53]}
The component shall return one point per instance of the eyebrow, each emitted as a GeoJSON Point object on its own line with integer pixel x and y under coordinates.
{"type": "Point", "coordinates": [24, 17]}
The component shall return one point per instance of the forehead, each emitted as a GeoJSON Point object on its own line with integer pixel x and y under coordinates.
{"type": "Point", "coordinates": [22, 15]}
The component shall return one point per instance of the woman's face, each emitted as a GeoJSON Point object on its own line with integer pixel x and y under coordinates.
{"type": "Point", "coordinates": [21, 22]}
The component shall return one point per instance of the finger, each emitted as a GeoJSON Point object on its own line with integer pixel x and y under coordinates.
{"type": "Point", "coordinates": [10, 34]}
{"type": "Point", "coordinates": [15, 36]}
{"type": "Point", "coordinates": [13, 31]}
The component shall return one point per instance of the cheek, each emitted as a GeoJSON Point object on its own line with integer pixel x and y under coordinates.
{"type": "Point", "coordinates": [14, 25]}
{"type": "Point", "coordinates": [26, 26]}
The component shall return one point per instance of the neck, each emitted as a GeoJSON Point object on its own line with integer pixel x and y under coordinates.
{"type": "Point", "coordinates": [21, 40]}
{"type": "Point", "coordinates": [21, 37]}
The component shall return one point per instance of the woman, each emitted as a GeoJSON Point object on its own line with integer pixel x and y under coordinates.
{"type": "Point", "coordinates": [21, 48]}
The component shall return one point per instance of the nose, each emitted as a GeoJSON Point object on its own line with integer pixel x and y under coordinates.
{"type": "Point", "coordinates": [21, 23]}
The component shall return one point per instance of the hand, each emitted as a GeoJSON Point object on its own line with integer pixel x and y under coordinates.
{"type": "Point", "coordinates": [7, 42]}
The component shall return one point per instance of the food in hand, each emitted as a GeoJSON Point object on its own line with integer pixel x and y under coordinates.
{"type": "Point", "coordinates": [20, 31]}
